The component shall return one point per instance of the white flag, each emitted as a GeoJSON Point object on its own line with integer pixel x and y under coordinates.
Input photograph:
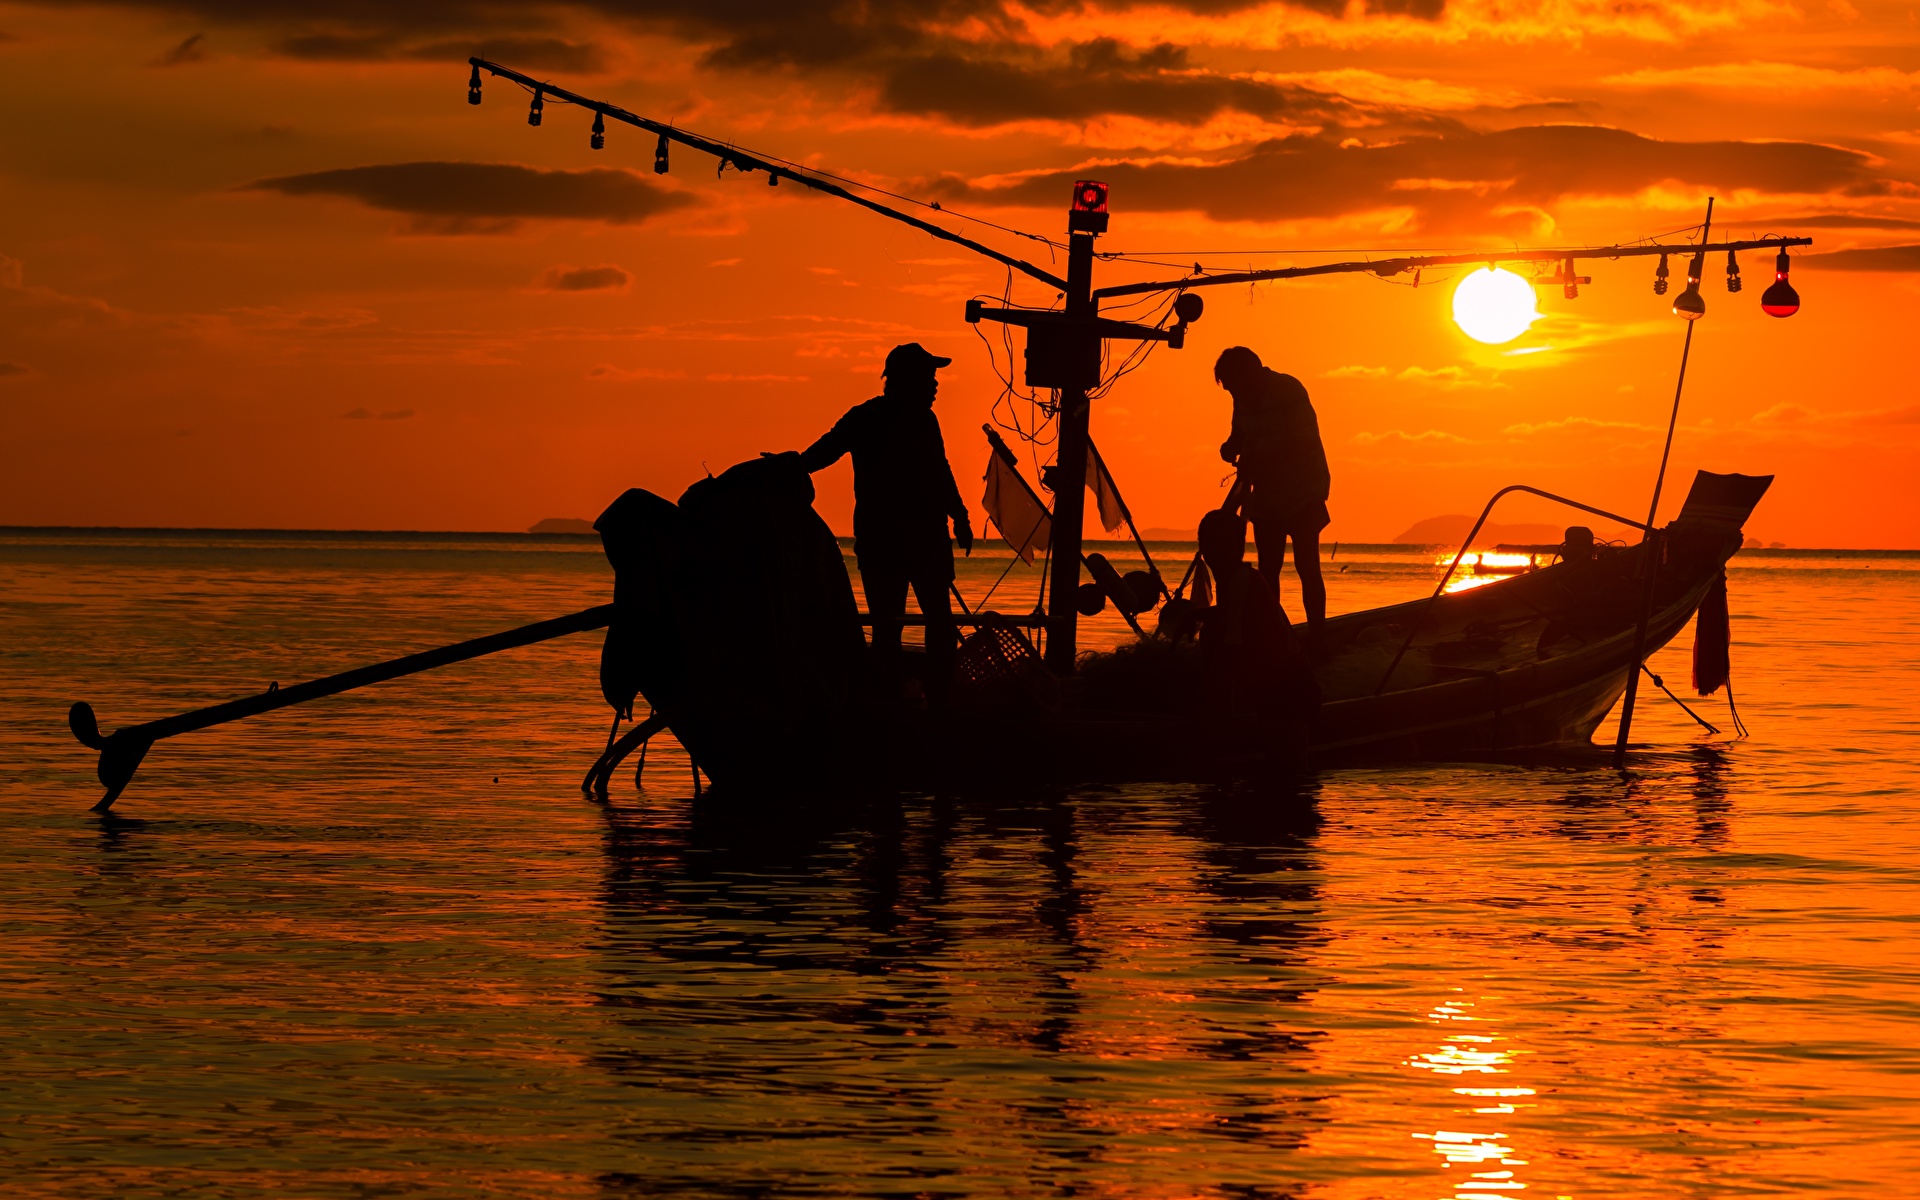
{"type": "Point", "coordinates": [1113, 514]}
{"type": "Point", "coordinates": [1020, 518]}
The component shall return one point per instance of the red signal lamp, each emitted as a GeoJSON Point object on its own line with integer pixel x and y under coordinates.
{"type": "Point", "coordinates": [1089, 211]}
{"type": "Point", "coordinates": [1780, 300]}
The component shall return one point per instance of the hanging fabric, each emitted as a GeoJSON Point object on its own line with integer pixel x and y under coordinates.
{"type": "Point", "coordinates": [1712, 640]}
{"type": "Point", "coordinates": [1106, 494]}
{"type": "Point", "coordinates": [1014, 510]}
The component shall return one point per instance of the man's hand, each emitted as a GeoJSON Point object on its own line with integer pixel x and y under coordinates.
{"type": "Point", "coordinates": [963, 534]}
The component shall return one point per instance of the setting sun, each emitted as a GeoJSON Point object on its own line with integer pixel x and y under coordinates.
{"type": "Point", "coordinates": [1493, 305]}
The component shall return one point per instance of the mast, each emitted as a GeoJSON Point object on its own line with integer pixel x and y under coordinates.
{"type": "Point", "coordinates": [1070, 458]}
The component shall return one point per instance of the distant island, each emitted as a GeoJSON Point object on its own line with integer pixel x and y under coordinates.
{"type": "Point", "coordinates": [562, 525]}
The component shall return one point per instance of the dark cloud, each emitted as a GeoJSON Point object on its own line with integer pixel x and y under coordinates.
{"type": "Point", "coordinates": [894, 43]}
{"type": "Point", "coordinates": [537, 53]}
{"type": "Point", "coordinates": [1479, 182]}
{"type": "Point", "coordinates": [1841, 221]}
{"type": "Point", "coordinates": [1095, 79]}
{"type": "Point", "coordinates": [1877, 258]}
{"type": "Point", "coordinates": [7, 368]}
{"type": "Point", "coordinates": [584, 279]}
{"type": "Point", "coordinates": [188, 51]}
{"type": "Point", "coordinates": [459, 197]}
{"type": "Point", "coordinates": [367, 414]}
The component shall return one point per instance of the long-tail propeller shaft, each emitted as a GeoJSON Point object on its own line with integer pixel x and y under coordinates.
{"type": "Point", "coordinates": [122, 751]}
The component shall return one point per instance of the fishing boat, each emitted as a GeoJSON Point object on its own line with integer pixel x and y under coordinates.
{"type": "Point", "coordinates": [1527, 662]}
{"type": "Point", "coordinates": [733, 615]}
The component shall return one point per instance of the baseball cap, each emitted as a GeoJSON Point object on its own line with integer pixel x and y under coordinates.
{"type": "Point", "coordinates": [913, 357]}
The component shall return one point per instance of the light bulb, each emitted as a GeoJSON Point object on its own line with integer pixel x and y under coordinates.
{"type": "Point", "coordinates": [599, 139]}
{"type": "Point", "coordinates": [660, 156]}
{"type": "Point", "coordinates": [533, 114]}
{"type": "Point", "coordinates": [1734, 282]}
{"type": "Point", "coordinates": [1689, 305]}
{"type": "Point", "coordinates": [473, 87]}
{"type": "Point", "coordinates": [1780, 300]}
{"type": "Point", "coordinates": [1660, 278]}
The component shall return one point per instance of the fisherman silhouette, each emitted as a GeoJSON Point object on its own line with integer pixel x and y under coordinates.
{"type": "Point", "coordinates": [903, 496]}
{"type": "Point", "coordinates": [1246, 644]}
{"type": "Point", "coordinates": [1275, 442]}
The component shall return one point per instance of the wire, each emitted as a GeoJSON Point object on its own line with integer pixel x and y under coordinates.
{"type": "Point", "coordinates": [996, 584]}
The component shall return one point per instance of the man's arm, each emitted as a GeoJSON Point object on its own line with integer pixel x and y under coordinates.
{"type": "Point", "coordinates": [832, 446]}
{"type": "Point", "coordinates": [956, 507]}
{"type": "Point", "coordinates": [1230, 449]}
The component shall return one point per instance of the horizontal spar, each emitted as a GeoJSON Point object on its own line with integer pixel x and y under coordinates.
{"type": "Point", "coordinates": [1393, 266]}
{"type": "Point", "coordinates": [744, 161]}
{"type": "Point", "coordinates": [120, 754]}
{"type": "Point", "coordinates": [972, 622]}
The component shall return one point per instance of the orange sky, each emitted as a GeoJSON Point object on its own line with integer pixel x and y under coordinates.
{"type": "Point", "coordinates": [272, 270]}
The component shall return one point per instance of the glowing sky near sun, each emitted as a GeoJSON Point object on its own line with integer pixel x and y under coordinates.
{"type": "Point", "coordinates": [263, 265]}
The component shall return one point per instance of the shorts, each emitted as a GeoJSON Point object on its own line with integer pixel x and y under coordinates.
{"type": "Point", "coordinates": [922, 553]}
{"type": "Point", "coordinates": [1299, 521]}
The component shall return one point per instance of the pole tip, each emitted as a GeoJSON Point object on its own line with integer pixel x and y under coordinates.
{"type": "Point", "coordinates": [86, 729]}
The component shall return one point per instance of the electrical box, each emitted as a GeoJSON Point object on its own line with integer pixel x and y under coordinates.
{"type": "Point", "coordinates": [1061, 356]}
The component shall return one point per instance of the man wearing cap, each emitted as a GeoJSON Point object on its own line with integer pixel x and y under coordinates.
{"type": "Point", "coordinates": [903, 496]}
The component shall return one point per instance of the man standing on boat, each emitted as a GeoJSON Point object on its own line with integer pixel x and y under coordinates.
{"type": "Point", "coordinates": [1275, 442]}
{"type": "Point", "coordinates": [903, 496]}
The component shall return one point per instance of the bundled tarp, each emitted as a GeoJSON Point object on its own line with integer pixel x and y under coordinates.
{"type": "Point", "coordinates": [735, 619]}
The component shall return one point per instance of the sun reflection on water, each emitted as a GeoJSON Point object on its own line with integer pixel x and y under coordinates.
{"type": "Point", "coordinates": [1461, 1054]}
{"type": "Point", "coordinates": [1480, 567]}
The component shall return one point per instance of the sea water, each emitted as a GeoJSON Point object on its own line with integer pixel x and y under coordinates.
{"type": "Point", "coordinates": [380, 945]}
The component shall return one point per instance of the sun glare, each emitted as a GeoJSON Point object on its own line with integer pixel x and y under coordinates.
{"type": "Point", "coordinates": [1493, 305]}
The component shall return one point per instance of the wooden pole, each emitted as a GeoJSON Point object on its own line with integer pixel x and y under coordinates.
{"type": "Point", "coordinates": [1650, 546]}
{"type": "Point", "coordinates": [1070, 475]}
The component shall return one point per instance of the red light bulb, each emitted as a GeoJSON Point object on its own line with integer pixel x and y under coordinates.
{"type": "Point", "coordinates": [1780, 300]}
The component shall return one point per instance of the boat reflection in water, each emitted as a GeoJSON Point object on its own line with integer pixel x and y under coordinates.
{"type": "Point", "coordinates": [950, 974]}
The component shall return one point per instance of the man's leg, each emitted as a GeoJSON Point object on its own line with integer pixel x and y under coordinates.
{"type": "Point", "coordinates": [1313, 588]}
{"type": "Point", "coordinates": [1270, 549]}
{"type": "Point", "coordinates": [886, 603]}
{"type": "Point", "coordinates": [930, 589]}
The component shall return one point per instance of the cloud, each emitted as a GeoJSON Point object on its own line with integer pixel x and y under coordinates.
{"type": "Point", "coordinates": [367, 414]}
{"type": "Point", "coordinates": [604, 278]}
{"type": "Point", "coordinates": [1402, 437]}
{"type": "Point", "coordinates": [1910, 415]}
{"type": "Point", "coordinates": [463, 197]}
{"type": "Point", "coordinates": [8, 369]}
{"type": "Point", "coordinates": [1479, 182]}
{"type": "Point", "coordinates": [1841, 221]}
{"type": "Point", "coordinates": [612, 374]}
{"type": "Point", "coordinates": [1359, 373]}
{"type": "Point", "coordinates": [1094, 79]}
{"type": "Point", "coordinates": [1447, 378]}
{"type": "Point", "coordinates": [1770, 78]}
{"type": "Point", "coordinates": [1875, 258]}
{"type": "Point", "coordinates": [1576, 424]}
{"type": "Point", "coordinates": [540, 53]}
{"type": "Point", "coordinates": [188, 51]}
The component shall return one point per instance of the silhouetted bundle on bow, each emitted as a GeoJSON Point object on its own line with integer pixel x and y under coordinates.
{"type": "Point", "coordinates": [735, 618]}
